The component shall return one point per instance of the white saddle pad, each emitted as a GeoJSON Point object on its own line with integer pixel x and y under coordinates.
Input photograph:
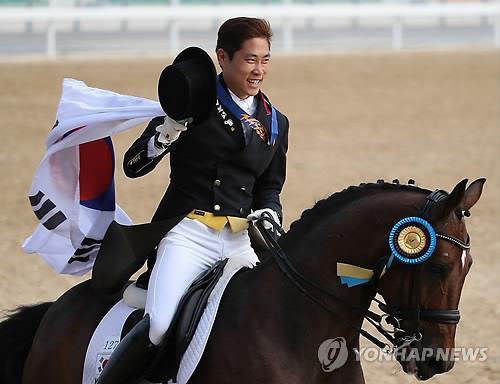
{"type": "Point", "coordinates": [107, 334]}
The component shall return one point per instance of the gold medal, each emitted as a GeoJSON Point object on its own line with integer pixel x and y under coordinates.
{"type": "Point", "coordinates": [412, 240]}
{"type": "Point", "coordinates": [256, 125]}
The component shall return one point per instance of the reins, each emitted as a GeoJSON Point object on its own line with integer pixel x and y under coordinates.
{"type": "Point", "coordinates": [299, 280]}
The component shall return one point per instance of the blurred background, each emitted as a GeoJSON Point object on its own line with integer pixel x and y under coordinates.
{"type": "Point", "coordinates": [89, 27]}
{"type": "Point", "coordinates": [373, 89]}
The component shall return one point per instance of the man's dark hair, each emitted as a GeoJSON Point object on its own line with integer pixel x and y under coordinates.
{"type": "Point", "coordinates": [235, 31]}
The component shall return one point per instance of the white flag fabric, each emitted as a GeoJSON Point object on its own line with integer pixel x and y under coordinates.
{"type": "Point", "coordinates": [72, 193]}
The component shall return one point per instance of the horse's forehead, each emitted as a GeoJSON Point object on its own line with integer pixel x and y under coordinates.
{"type": "Point", "coordinates": [452, 225]}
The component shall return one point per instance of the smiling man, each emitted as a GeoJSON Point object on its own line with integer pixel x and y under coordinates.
{"type": "Point", "coordinates": [226, 170]}
{"type": "Point", "coordinates": [244, 69]}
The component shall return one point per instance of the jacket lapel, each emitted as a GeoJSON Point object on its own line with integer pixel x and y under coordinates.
{"type": "Point", "coordinates": [231, 124]}
{"type": "Point", "coordinates": [263, 116]}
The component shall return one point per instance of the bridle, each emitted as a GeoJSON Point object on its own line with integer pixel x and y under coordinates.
{"type": "Point", "coordinates": [388, 323]}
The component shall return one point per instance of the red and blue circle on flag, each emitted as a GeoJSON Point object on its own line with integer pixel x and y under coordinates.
{"type": "Point", "coordinates": [97, 165]}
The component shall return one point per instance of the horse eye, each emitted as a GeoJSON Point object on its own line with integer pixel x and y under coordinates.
{"type": "Point", "coordinates": [459, 213]}
{"type": "Point", "coordinates": [439, 269]}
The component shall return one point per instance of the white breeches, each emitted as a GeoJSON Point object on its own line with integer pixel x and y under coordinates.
{"type": "Point", "coordinates": [183, 254]}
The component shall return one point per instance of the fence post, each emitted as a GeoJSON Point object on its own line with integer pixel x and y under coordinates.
{"type": "Point", "coordinates": [174, 37]}
{"type": "Point", "coordinates": [287, 35]}
{"type": "Point", "coordinates": [287, 30]}
{"type": "Point", "coordinates": [496, 28]}
{"type": "Point", "coordinates": [51, 33]}
{"type": "Point", "coordinates": [51, 39]}
{"type": "Point", "coordinates": [397, 33]}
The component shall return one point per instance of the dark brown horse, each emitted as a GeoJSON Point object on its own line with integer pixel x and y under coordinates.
{"type": "Point", "coordinates": [272, 320]}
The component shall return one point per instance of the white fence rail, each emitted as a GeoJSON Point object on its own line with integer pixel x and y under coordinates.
{"type": "Point", "coordinates": [285, 14]}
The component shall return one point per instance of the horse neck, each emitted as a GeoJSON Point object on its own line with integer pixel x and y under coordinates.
{"type": "Point", "coordinates": [355, 234]}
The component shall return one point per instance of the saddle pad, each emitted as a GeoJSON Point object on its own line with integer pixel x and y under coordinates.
{"type": "Point", "coordinates": [104, 341]}
{"type": "Point", "coordinates": [107, 334]}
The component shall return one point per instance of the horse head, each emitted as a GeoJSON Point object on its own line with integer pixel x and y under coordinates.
{"type": "Point", "coordinates": [422, 296]}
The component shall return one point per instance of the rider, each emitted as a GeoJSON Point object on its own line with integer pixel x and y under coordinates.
{"type": "Point", "coordinates": [224, 171]}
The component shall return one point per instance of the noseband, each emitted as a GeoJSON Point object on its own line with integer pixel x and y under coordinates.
{"type": "Point", "coordinates": [397, 336]}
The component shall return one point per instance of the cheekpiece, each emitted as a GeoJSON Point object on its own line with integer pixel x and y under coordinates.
{"type": "Point", "coordinates": [412, 240]}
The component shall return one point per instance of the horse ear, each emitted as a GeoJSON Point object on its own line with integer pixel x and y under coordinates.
{"type": "Point", "coordinates": [473, 193]}
{"type": "Point", "coordinates": [454, 199]}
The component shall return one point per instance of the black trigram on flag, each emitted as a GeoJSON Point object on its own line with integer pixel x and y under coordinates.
{"type": "Point", "coordinates": [44, 211]}
{"type": "Point", "coordinates": [89, 247]}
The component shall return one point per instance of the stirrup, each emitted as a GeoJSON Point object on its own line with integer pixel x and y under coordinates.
{"type": "Point", "coordinates": [131, 358]}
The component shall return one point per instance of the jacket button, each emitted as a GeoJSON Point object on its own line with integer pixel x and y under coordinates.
{"type": "Point", "coordinates": [216, 207]}
{"type": "Point", "coordinates": [243, 188]}
{"type": "Point", "coordinates": [242, 211]}
{"type": "Point", "coordinates": [217, 183]}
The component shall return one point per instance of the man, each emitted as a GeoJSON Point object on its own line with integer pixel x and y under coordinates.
{"type": "Point", "coordinates": [224, 171]}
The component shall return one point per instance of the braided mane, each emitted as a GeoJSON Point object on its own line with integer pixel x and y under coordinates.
{"type": "Point", "coordinates": [325, 207]}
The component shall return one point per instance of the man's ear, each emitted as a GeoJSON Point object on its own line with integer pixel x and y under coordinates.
{"type": "Point", "coordinates": [221, 57]}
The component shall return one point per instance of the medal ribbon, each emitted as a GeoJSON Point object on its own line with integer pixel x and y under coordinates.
{"type": "Point", "coordinates": [226, 99]}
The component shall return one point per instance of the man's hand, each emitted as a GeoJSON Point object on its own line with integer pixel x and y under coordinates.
{"type": "Point", "coordinates": [265, 212]}
{"type": "Point", "coordinates": [170, 130]}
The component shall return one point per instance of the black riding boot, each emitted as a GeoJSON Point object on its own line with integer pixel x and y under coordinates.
{"type": "Point", "coordinates": [131, 358]}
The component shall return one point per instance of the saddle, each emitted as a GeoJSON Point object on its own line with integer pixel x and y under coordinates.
{"type": "Point", "coordinates": [184, 324]}
{"type": "Point", "coordinates": [125, 249]}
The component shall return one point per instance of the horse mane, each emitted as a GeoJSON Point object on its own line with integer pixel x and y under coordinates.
{"type": "Point", "coordinates": [325, 207]}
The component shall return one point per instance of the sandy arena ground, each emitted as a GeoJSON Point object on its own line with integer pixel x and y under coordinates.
{"type": "Point", "coordinates": [434, 117]}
